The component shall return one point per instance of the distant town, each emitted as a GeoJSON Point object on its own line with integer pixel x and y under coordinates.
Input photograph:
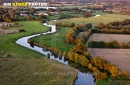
{"type": "Point", "coordinates": [110, 6]}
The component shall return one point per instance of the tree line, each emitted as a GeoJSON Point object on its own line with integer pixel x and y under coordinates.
{"type": "Point", "coordinates": [73, 33]}
{"type": "Point", "coordinates": [79, 54]}
{"type": "Point", "coordinates": [118, 25]}
{"type": "Point", "coordinates": [103, 44]}
{"type": "Point", "coordinates": [113, 27]}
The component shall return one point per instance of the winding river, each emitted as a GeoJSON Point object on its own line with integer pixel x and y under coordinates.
{"type": "Point", "coordinates": [84, 74]}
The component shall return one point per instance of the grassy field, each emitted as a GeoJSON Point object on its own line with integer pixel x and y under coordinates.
{"type": "Point", "coordinates": [34, 71]}
{"type": "Point", "coordinates": [56, 40]}
{"type": "Point", "coordinates": [71, 13]}
{"type": "Point", "coordinates": [54, 17]}
{"type": "Point", "coordinates": [105, 18]}
{"type": "Point", "coordinates": [119, 57]}
{"type": "Point", "coordinates": [22, 66]}
{"type": "Point", "coordinates": [8, 45]}
{"type": "Point", "coordinates": [71, 6]}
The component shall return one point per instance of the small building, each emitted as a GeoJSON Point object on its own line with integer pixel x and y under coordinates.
{"type": "Point", "coordinates": [103, 3]}
{"type": "Point", "coordinates": [24, 14]}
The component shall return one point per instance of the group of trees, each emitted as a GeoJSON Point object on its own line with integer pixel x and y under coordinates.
{"type": "Point", "coordinates": [95, 7]}
{"type": "Point", "coordinates": [50, 10]}
{"type": "Point", "coordinates": [111, 31]}
{"type": "Point", "coordinates": [79, 54]}
{"type": "Point", "coordinates": [75, 10]}
{"type": "Point", "coordinates": [113, 27]}
{"type": "Point", "coordinates": [9, 15]}
{"type": "Point", "coordinates": [42, 18]}
{"type": "Point", "coordinates": [65, 25]}
{"type": "Point", "coordinates": [87, 14]}
{"type": "Point", "coordinates": [103, 44]}
{"type": "Point", "coordinates": [73, 33]}
{"type": "Point", "coordinates": [87, 35]}
{"type": "Point", "coordinates": [117, 25]}
{"type": "Point", "coordinates": [64, 16]}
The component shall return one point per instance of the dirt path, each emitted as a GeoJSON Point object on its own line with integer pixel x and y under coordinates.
{"type": "Point", "coordinates": [119, 57]}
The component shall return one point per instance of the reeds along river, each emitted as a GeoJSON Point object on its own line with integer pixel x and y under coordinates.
{"type": "Point", "coordinates": [84, 76]}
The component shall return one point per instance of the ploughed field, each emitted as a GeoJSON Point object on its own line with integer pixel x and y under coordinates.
{"type": "Point", "coordinates": [119, 57]}
{"type": "Point", "coordinates": [110, 37]}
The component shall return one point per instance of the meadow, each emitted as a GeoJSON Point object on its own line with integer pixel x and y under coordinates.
{"type": "Point", "coordinates": [22, 66]}
{"type": "Point", "coordinates": [105, 18]}
{"type": "Point", "coordinates": [55, 40]}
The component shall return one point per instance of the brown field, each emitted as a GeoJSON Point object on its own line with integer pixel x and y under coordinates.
{"type": "Point", "coordinates": [110, 37]}
{"type": "Point", "coordinates": [119, 57]}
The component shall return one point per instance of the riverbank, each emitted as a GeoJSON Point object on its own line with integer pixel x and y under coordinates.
{"type": "Point", "coordinates": [22, 66]}
{"type": "Point", "coordinates": [55, 40]}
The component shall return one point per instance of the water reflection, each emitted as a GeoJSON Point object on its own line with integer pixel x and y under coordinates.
{"type": "Point", "coordinates": [32, 45]}
{"type": "Point", "coordinates": [82, 69]}
{"type": "Point", "coordinates": [84, 74]}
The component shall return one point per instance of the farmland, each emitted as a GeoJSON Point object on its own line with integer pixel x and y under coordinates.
{"type": "Point", "coordinates": [119, 57]}
{"type": "Point", "coordinates": [110, 37]}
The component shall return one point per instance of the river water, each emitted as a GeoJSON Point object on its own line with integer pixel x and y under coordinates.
{"type": "Point", "coordinates": [84, 74]}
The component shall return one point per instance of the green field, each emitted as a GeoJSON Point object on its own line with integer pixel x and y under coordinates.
{"type": "Point", "coordinates": [22, 66]}
{"type": "Point", "coordinates": [7, 42]}
{"type": "Point", "coordinates": [71, 13]}
{"type": "Point", "coordinates": [72, 6]}
{"type": "Point", "coordinates": [56, 40]}
{"type": "Point", "coordinates": [105, 18]}
{"type": "Point", "coordinates": [34, 71]}
{"type": "Point", "coordinates": [54, 17]}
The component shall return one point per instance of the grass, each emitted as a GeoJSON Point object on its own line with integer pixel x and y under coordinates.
{"type": "Point", "coordinates": [110, 81]}
{"type": "Point", "coordinates": [71, 13]}
{"type": "Point", "coordinates": [55, 40]}
{"type": "Point", "coordinates": [22, 66]}
{"type": "Point", "coordinates": [72, 6]}
{"type": "Point", "coordinates": [105, 18]}
{"type": "Point", "coordinates": [54, 17]}
{"type": "Point", "coordinates": [34, 71]}
{"type": "Point", "coordinates": [8, 45]}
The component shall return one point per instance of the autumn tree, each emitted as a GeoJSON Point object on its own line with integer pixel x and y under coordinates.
{"type": "Point", "coordinates": [58, 10]}
{"type": "Point", "coordinates": [79, 48]}
{"type": "Point", "coordinates": [71, 56]}
{"type": "Point", "coordinates": [60, 52]}
{"type": "Point", "coordinates": [97, 61]}
{"type": "Point", "coordinates": [40, 17]}
{"type": "Point", "coordinates": [76, 57]}
{"type": "Point", "coordinates": [114, 71]}
{"type": "Point", "coordinates": [122, 45]}
{"type": "Point", "coordinates": [32, 10]}
{"type": "Point", "coordinates": [69, 38]}
{"type": "Point", "coordinates": [64, 54]}
{"type": "Point", "coordinates": [99, 75]}
{"type": "Point", "coordinates": [83, 60]}
{"type": "Point", "coordinates": [87, 14]}
{"type": "Point", "coordinates": [124, 73]}
{"type": "Point", "coordinates": [100, 25]}
{"type": "Point", "coordinates": [49, 10]}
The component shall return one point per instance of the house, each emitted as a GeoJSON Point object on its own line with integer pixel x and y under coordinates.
{"type": "Point", "coordinates": [24, 14]}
